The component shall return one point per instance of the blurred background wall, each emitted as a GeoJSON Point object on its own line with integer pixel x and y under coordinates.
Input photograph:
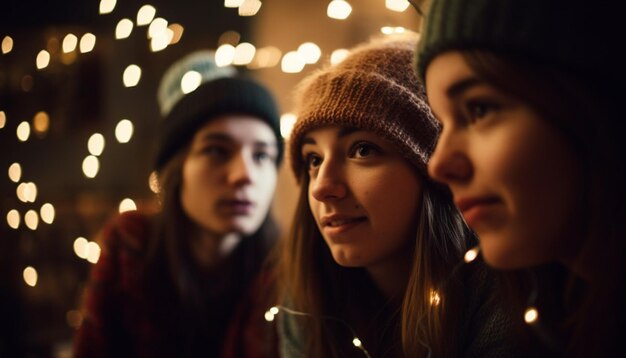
{"type": "Point", "coordinates": [78, 114]}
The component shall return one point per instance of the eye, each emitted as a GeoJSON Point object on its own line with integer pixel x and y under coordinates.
{"type": "Point", "coordinates": [215, 151]}
{"type": "Point", "coordinates": [312, 161]}
{"type": "Point", "coordinates": [364, 149]}
{"type": "Point", "coordinates": [480, 109]}
{"type": "Point", "coordinates": [262, 156]}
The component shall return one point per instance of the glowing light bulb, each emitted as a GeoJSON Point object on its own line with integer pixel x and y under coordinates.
{"type": "Point", "coordinates": [471, 254]}
{"type": "Point", "coordinates": [156, 27]}
{"type": "Point", "coordinates": [80, 247]}
{"type": "Point", "coordinates": [338, 55]}
{"type": "Point", "coordinates": [31, 219]}
{"type": "Point", "coordinates": [91, 166]}
{"type": "Point", "coordinates": [339, 9]}
{"type": "Point", "coordinates": [13, 219]}
{"type": "Point", "coordinates": [7, 44]}
{"type": "Point", "coordinates": [107, 6]}
{"type": "Point", "coordinates": [224, 55]}
{"type": "Point", "coordinates": [23, 131]}
{"type": "Point", "coordinates": [3, 119]}
{"type": "Point", "coordinates": [434, 298]}
{"type": "Point", "coordinates": [310, 52]}
{"type": "Point", "coordinates": [145, 15]}
{"type": "Point", "coordinates": [69, 43]}
{"type": "Point", "coordinates": [47, 213]}
{"type": "Point", "coordinates": [233, 3]}
{"type": "Point", "coordinates": [30, 276]}
{"type": "Point", "coordinates": [292, 62]}
{"type": "Point", "coordinates": [132, 75]}
{"type": "Point", "coordinates": [127, 205]}
{"type": "Point", "coordinates": [244, 53]}
{"type": "Point", "coordinates": [93, 252]}
{"type": "Point", "coordinates": [43, 59]}
{"type": "Point", "coordinates": [190, 81]}
{"type": "Point", "coordinates": [531, 315]}
{"type": "Point", "coordinates": [357, 342]}
{"type": "Point", "coordinates": [287, 121]}
{"type": "Point", "coordinates": [123, 29]}
{"type": "Point", "coordinates": [397, 5]}
{"type": "Point", "coordinates": [95, 144]}
{"type": "Point", "coordinates": [41, 122]}
{"type": "Point", "coordinates": [124, 131]}
{"type": "Point", "coordinates": [87, 43]}
{"type": "Point", "coordinates": [15, 172]}
{"type": "Point", "coordinates": [249, 8]}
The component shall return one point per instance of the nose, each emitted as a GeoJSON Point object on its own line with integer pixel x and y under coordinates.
{"type": "Point", "coordinates": [449, 163]}
{"type": "Point", "coordinates": [241, 169]}
{"type": "Point", "coordinates": [328, 184]}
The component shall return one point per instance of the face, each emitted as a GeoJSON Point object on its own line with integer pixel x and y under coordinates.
{"type": "Point", "coordinates": [229, 175]}
{"type": "Point", "coordinates": [513, 176]}
{"type": "Point", "coordinates": [363, 195]}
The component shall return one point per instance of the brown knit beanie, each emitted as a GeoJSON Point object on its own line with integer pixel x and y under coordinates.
{"type": "Point", "coordinates": [374, 88]}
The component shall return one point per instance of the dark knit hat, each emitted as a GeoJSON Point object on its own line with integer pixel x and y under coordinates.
{"type": "Point", "coordinates": [219, 91]}
{"type": "Point", "coordinates": [374, 88]}
{"type": "Point", "coordinates": [575, 36]}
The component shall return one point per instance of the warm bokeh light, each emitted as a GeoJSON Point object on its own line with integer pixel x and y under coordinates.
{"type": "Point", "coordinates": [397, 5]}
{"type": "Point", "coordinates": [43, 59]}
{"type": "Point", "coordinates": [269, 316]}
{"type": "Point", "coordinates": [531, 315]}
{"type": "Point", "coordinates": [74, 318]}
{"type": "Point", "coordinates": [132, 75]}
{"type": "Point", "coordinates": [13, 219]}
{"type": "Point", "coordinates": [93, 252]}
{"type": "Point", "coordinates": [249, 7]}
{"type": "Point", "coordinates": [47, 213]}
{"type": "Point", "coordinates": [31, 219]}
{"type": "Point", "coordinates": [30, 276]}
{"type": "Point", "coordinates": [7, 44]}
{"type": "Point", "coordinates": [177, 33]}
{"type": "Point", "coordinates": [233, 3]}
{"type": "Point", "coordinates": [244, 53]}
{"type": "Point", "coordinates": [41, 122]}
{"type": "Point", "coordinates": [27, 192]}
{"type": "Point", "coordinates": [3, 119]}
{"type": "Point", "coordinates": [91, 166]}
{"type": "Point", "coordinates": [339, 9]}
{"type": "Point", "coordinates": [388, 30]}
{"type": "Point", "coordinates": [15, 172]}
{"type": "Point", "coordinates": [123, 29]}
{"type": "Point", "coordinates": [224, 55]}
{"type": "Point", "coordinates": [107, 6]}
{"type": "Point", "coordinates": [229, 37]}
{"type": "Point", "coordinates": [471, 255]}
{"type": "Point", "coordinates": [69, 43]}
{"type": "Point", "coordinates": [156, 27]}
{"type": "Point", "coordinates": [338, 55]}
{"type": "Point", "coordinates": [357, 342]}
{"type": "Point", "coordinates": [310, 52]}
{"type": "Point", "coordinates": [190, 81]}
{"type": "Point", "coordinates": [292, 62]}
{"type": "Point", "coordinates": [145, 15]}
{"type": "Point", "coordinates": [161, 40]}
{"type": "Point", "coordinates": [287, 122]}
{"type": "Point", "coordinates": [23, 131]}
{"type": "Point", "coordinates": [80, 247]}
{"type": "Point", "coordinates": [434, 298]}
{"type": "Point", "coordinates": [124, 131]}
{"type": "Point", "coordinates": [127, 205]}
{"type": "Point", "coordinates": [95, 144]}
{"type": "Point", "coordinates": [153, 182]}
{"type": "Point", "coordinates": [87, 43]}
{"type": "Point", "coordinates": [20, 192]}
{"type": "Point", "coordinates": [266, 57]}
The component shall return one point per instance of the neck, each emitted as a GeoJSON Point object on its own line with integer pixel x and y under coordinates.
{"type": "Point", "coordinates": [392, 275]}
{"type": "Point", "coordinates": [209, 249]}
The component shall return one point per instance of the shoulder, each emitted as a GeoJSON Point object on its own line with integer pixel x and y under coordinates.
{"type": "Point", "coordinates": [130, 230]}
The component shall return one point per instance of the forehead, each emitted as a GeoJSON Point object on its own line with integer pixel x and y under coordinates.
{"type": "Point", "coordinates": [238, 128]}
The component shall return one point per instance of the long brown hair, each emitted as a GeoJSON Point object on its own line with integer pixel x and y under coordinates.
{"type": "Point", "coordinates": [315, 284]}
{"type": "Point", "coordinates": [586, 111]}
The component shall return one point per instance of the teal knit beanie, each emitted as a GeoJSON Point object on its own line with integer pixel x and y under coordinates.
{"type": "Point", "coordinates": [195, 90]}
{"type": "Point", "coordinates": [581, 38]}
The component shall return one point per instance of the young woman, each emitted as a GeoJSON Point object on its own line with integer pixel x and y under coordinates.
{"type": "Point", "coordinates": [169, 285]}
{"type": "Point", "coordinates": [375, 247]}
{"type": "Point", "coordinates": [529, 96]}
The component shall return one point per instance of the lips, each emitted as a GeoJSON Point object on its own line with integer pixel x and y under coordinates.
{"type": "Point", "coordinates": [236, 206]}
{"type": "Point", "coordinates": [475, 209]}
{"type": "Point", "coordinates": [339, 223]}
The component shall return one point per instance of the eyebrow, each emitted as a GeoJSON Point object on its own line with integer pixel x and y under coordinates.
{"type": "Point", "coordinates": [222, 137]}
{"type": "Point", "coordinates": [345, 131]}
{"type": "Point", "coordinates": [463, 85]}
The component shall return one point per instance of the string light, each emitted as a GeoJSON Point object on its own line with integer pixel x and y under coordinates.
{"type": "Point", "coordinates": [87, 42]}
{"type": "Point", "coordinates": [287, 121]}
{"type": "Point", "coordinates": [91, 166]}
{"type": "Point", "coordinates": [93, 252]}
{"type": "Point", "coordinates": [153, 182]}
{"type": "Point", "coordinates": [3, 119]}
{"type": "Point", "coordinates": [224, 55]}
{"type": "Point", "coordinates": [123, 29]}
{"type": "Point", "coordinates": [310, 52]}
{"type": "Point", "coordinates": [338, 55]}
{"type": "Point", "coordinates": [397, 5]}
{"type": "Point", "coordinates": [177, 33]}
{"type": "Point", "coordinates": [471, 254]}
{"type": "Point", "coordinates": [531, 315]}
{"type": "Point", "coordinates": [15, 172]}
{"type": "Point", "coordinates": [249, 7]}
{"type": "Point", "coordinates": [244, 53]}
{"type": "Point", "coordinates": [43, 59]}
{"type": "Point", "coordinates": [132, 75]}
{"type": "Point", "coordinates": [271, 313]}
{"type": "Point", "coordinates": [233, 3]}
{"type": "Point", "coordinates": [80, 247]}
{"type": "Point", "coordinates": [145, 15]}
{"type": "Point", "coordinates": [292, 62]}
{"type": "Point", "coordinates": [30, 276]}
{"type": "Point", "coordinates": [31, 219]}
{"type": "Point", "coordinates": [107, 6]}
{"type": "Point", "coordinates": [23, 131]}
{"type": "Point", "coordinates": [338, 9]}
{"type": "Point", "coordinates": [69, 43]}
{"type": "Point", "coordinates": [41, 122]}
{"type": "Point", "coordinates": [161, 40]}
{"type": "Point", "coordinates": [13, 219]}
{"type": "Point", "coordinates": [7, 44]}
{"type": "Point", "coordinates": [47, 213]}
{"type": "Point", "coordinates": [127, 205]}
{"type": "Point", "coordinates": [124, 131]}
{"type": "Point", "coordinates": [157, 26]}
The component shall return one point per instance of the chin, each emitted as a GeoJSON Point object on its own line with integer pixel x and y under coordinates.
{"type": "Point", "coordinates": [346, 259]}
